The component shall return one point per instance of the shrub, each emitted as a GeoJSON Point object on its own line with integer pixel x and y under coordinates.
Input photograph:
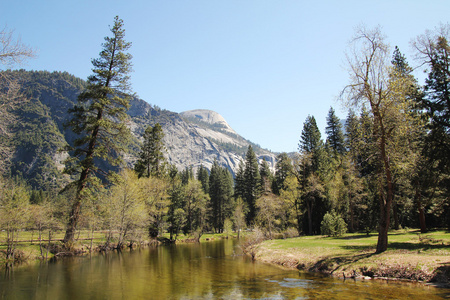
{"type": "Point", "coordinates": [333, 224]}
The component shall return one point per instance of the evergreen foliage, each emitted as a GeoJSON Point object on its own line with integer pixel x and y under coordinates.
{"type": "Point", "coordinates": [221, 194]}
{"type": "Point", "coordinates": [335, 136]}
{"type": "Point", "coordinates": [98, 118]}
{"type": "Point", "coordinates": [203, 177]}
{"type": "Point", "coordinates": [151, 161]}
{"type": "Point", "coordinates": [283, 169]}
{"type": "Point", "coordinates": [251, 188]}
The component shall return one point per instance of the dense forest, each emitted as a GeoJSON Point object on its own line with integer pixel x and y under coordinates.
{"type": "Point", "coordinates": [388, 161]}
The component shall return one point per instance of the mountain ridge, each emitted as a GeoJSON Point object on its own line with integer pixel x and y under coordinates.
{"type": "Point", "coordinates": [194, 138]}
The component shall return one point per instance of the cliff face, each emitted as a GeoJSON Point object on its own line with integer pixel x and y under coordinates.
{"type": "Point", "coordinates": [196, 137]}
{"type": "Point", "coordinates": [192, 138]}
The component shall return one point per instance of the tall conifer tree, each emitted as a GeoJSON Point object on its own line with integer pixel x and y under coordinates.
{"type": "Point", "coordinates": [98, 119]}
{"type": "Point", "coordinates": [151, 160]}
{"type": "Point", "coordinates": [252, 183]}
{"type": "Point", "coordinates": [335, 136]}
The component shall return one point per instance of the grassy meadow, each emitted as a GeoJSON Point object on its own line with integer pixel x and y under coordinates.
{"type": "Point", "coordinates": [410, 255]}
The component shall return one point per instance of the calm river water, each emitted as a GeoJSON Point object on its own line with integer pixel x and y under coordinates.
{"type": "Point", "coordinates": [211, 270]}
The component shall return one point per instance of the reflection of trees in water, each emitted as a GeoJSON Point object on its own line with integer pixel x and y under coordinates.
{"type": "Point", "coordinates": [215, 269]}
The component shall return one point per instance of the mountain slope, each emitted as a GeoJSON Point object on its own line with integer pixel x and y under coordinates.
{"type": "Point", "coordinates": [192, 138]}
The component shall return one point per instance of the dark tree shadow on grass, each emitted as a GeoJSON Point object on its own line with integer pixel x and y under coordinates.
{"type": "Point", "coordinates": [400, 246]}
{"type": "Point", "coordinates": [355, 237]}
{"type": "Point", "coordinates": [330, 264]}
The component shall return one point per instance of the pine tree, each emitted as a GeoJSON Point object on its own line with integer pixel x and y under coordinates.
{"type": "Point", "coordinates": [239, 181]}
{"type": "Point", "coordinates": [221, 193]}
{"type": "Point", "coordinates": [266, 176]}
{"type": "Point", "coordinates": [311, 142]}
{"type": "Point", "coordinates": [99, 119]}
{"type": "Point", "coordinates": [151, 160]}
{"type": "Point", "coordinates": [283, 169]}
{"type": "Point", "coordinates": [203, 177]}
{"type": "Point", "coordinates": [309, 175]}
{"type": "Point", "coordinates": [434, 50]}
{"type": "Point", "coordinates": [335, 136]}
{"type": "Point", "coordinates": [252, 183]}
{"type": "Point", "coordinates": [437, 86]}
{"type": "Point", "coordinates": [186, 175]}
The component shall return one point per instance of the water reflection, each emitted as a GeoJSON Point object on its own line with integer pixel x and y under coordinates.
{"type": "Point", "coordinates": [213, 270]}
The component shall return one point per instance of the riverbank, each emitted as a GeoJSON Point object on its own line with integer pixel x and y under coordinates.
{"type": "Point", "coordinates": [410, 255]}
{"type": "Point", "coordinates": [29, 248]}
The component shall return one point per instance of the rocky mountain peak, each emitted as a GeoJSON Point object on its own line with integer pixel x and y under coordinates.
{"type": "Point", "coordinates": [209, 117]}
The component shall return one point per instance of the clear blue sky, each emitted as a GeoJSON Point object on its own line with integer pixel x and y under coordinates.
{"type": "Point", "coordinates": [263, 65]}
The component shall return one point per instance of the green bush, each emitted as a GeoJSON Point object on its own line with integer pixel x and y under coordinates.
{"type": "Point", "coordinates": [333, 224]}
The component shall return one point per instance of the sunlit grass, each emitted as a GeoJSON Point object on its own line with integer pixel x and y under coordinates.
{"type": "Point", "coordinates": [351, 252]}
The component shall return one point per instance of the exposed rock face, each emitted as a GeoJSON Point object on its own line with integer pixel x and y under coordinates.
{"type": "Point", "coordinates": [195, 137]}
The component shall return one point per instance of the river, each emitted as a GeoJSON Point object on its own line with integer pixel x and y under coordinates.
{"type": "Point", "coordinates": [210, 270]}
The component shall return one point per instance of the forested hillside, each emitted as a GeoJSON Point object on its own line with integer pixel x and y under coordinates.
{"type": "Point", "coordinates": [40, 136]}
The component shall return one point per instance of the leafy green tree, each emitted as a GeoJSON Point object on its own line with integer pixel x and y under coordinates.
{"type": "Point", "coordinates": [335, 136]}
{"type": "Point", "coordinates": [151, 161]}
{"type": "Point", "coordinates": [127, 206]}
{"type": "Point", "coordinates": [14, 212]}
{"type": "Point", "coordinates": [228, 227]}
{"type": "Point", "coordinates": [270, 213]}
{"type": "Point", "coordinates": [239, 216]}
{"type": "Point", "coordinates": [98, 119]}
{"type": "Point", "coordinates": [333, 224]}
{"type": "Point", "coordinates": [370, 85]}
{"type": "Point", "coordinates": [155, 192]}
{"type": "Point", "coordinates": [251, 183]}
{"type": "Point", "coordinates": [291, 195]}
{"type": "Point", "coordinates": [196, 203]}
{"type": "Point", "coordinates": [373, 86]}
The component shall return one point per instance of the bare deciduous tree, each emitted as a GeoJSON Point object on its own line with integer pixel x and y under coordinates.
{"type": "Point", "coordinates": [12, 52]}
{"type": "Point", "coordinates": [369, 64]}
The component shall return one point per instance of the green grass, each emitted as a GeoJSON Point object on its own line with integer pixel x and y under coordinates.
{"type": "Point", "coordinates": [425, 253]}
{"type": "Point", "coordinates": [355, 242]}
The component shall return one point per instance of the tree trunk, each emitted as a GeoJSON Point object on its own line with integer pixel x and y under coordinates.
{"type": "Point", "coordinates": [75, 212]}
{"type": "Point", "coordinates": [92, 239]}
{"type": "Point", "coordinates": [352, 217]}
{"type": "Point", "coordinates": [299, 223]}
{"type": "Point", "coordinates": [395, 212]}
{"type": "Point", "coordinates": [40, 241]}
{"type": "Point", "coordinates": [385, 202]}
{"type": "Point", "coordinates": [309, 210]}
{"type": "Point", "coordinates": [418, 199]}
{"type": "Point", "coordinates": [423, 225]}
{"type": "Point", "coordinates": [49, 241]}
{"type": "Point", "coordinates": [72, 225]}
